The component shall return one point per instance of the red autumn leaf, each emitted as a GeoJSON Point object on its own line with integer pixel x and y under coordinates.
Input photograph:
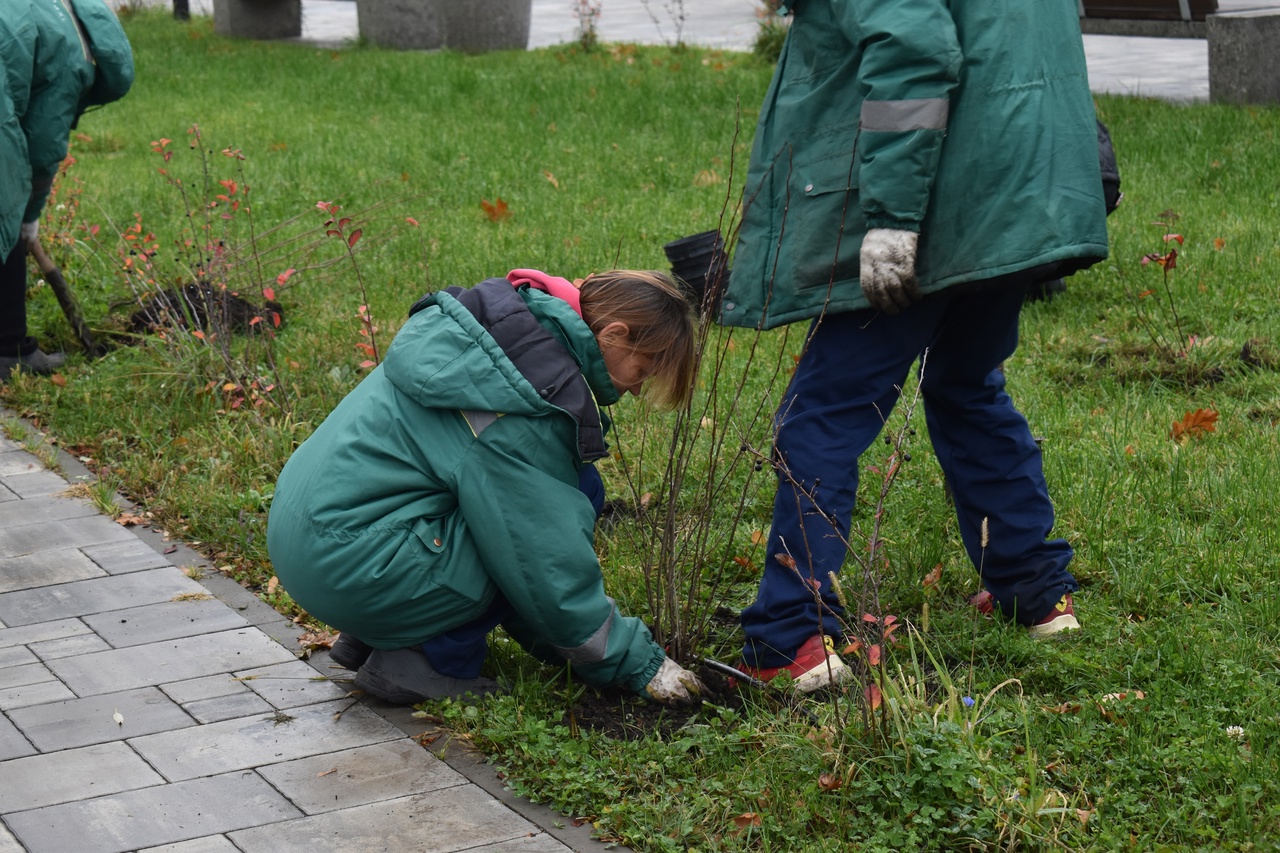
{"type": "Point", "coordinates": [368, 364]}
{"type": "Point", "coordinates": [1144, 294]}
{"type": "Point", "coordinates": [873, 655]}
{"type": "Point", "coordinates": [1177, 237]}
{"type": "Point", "coordinates": [1195, 424]}
{"type": "Point", "coordinates": [746, 819]}
{"type": "Point", "coordinates": [411, 221]}
{"type": "Point", "coordinates": [873, 696]}
{"type": "Point", "coordinates": [867, 617]}
{"type": "Point", "coordinates": [229, 186]}
{"type": "Point", "coordinates": [854, 647]}
{"type": "Point", "coordinates": [1218, 243]}
{"type": "Point", "coordinates": [333, 232]}
{"type": "Point", "coordinates": [496, 210]}
{"type": "Point", "coordinates": [786, 560]}
{"type": "Point", "coordinates": [354, 238]}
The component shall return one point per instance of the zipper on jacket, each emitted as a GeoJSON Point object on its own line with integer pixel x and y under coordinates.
{"type": "Point", "coordinates": [84, 40]}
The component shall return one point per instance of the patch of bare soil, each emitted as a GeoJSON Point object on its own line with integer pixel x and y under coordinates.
{"type": "Point", "coordinates": [619, 714]}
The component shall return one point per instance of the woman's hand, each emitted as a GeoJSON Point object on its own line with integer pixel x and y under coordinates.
{"type": "Point", "coordinates": [674, 685]}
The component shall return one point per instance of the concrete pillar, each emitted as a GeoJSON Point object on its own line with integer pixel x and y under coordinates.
{"type": "Point", "coordinates": [1244, 60]}
{"type": "Point", "coordinates": [472, 26]}
{"type": "Point", "coordinates": [478, 26]}
{"type": "Point", "coordinates": [402, 24]}
{"type": "Point", "coordinates": [258, 19]}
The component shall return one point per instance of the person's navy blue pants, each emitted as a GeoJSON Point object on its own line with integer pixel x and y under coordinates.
{"type": "Point", "coordinates": [14, 341]}
{"type": "Point", "coordinates": [839, 400]}
{"type": "Point", "coordinates": [460, 653]}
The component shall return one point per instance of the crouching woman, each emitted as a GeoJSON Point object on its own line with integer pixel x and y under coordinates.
{"type": "Point", "coordinates": [452, 490]}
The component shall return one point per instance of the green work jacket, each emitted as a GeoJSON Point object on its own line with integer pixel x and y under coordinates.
{"type": "Point", "coordinates": [969, 122]}
{"type": "Point", "coordinates": [450, 475]}
{"type": "Point", "coordinates": [55, 66]}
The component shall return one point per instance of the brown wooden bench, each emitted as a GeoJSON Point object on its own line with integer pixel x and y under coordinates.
{"type": "Point", "coordinates": [1159, 18]}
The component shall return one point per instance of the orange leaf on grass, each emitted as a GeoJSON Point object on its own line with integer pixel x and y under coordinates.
{"type": "Point", "coordinates": [496, 210]}
{"type": "Point", "coordinates": [931, 579]}
{"type": "Point", "coordinates": [746, 819]}
{"type": "Point", "coordinates": [1195, 424]}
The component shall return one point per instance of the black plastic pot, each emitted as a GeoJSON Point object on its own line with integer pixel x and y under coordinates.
{"type": "Point", "coordinates": [699, 261]}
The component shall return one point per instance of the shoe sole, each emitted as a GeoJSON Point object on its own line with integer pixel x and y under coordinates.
{"type": "Point", "coordinates": [834, 671]}
{"type": "Point", "coordinates": [1065, 622]}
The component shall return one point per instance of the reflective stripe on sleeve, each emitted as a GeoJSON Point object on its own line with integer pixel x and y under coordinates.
{"type": "Point", "coordinates": [595, 647]}
{"type": "Point", "coordinates": [917, 114]}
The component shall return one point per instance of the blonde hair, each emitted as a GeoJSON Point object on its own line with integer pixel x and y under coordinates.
{"type": "Point", "coordinates": [661, 321]}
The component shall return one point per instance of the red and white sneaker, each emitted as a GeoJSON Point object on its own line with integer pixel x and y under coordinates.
{"type": "Point", "coordinates": [816, 665]}
{"type": "Point", "coordinates": [1061, 618]}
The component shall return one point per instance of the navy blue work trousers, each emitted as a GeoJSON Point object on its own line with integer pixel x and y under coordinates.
{"type": "Point", "coordinates": [844, 388]}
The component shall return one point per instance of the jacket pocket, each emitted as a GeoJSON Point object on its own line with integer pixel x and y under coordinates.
{"type": "Point", "coordinates": [824, 235]}
{"type": "Point", "coordinates": [453, 577]}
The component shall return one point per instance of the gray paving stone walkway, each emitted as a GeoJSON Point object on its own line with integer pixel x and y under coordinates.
{"type": "Point", "coordinates": [149, 703]}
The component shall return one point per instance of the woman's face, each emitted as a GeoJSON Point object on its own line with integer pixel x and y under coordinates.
{"type": "Point", "coordinates": [627, 368]}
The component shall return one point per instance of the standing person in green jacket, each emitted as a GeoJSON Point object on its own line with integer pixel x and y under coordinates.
{"type": "Point", "coordinates": [452, 491]}
{"type": "Point", "coordinates": [58, 58]}
{"type": "Point", "coordinates": [917, 165]}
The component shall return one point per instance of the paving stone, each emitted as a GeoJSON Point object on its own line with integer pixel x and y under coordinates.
{"type": "Point", "coordinates": [6, 494]}
{"type": "Point", "coordinates": [48, 508]}
{"type": "Point", "coordinates": [460, 818]}
{"type": "Point", "coordinates": [42, 631]}
{"type": "Point", "coordinates": [36, 483]}
{"type": "Point", "coordinates": [267, 739]}
{"type": "Point", "coordinates": [80, 722]}
{"type": "Point", "coordinates": [164, 621]}
{"type": "Point", "coordinates": [151, 816]}
{"type": "Point", "coordinates": [168, 660]}
{"type": "Point", "coordinates": [15, 656]}
{"type": "Point", "coordinates": [289, 685]}
{"type": "Point", "coordinates": [12, 743]}
{"type": "Point", "coordinates": [15, 461]}
{"type": "Point", "coordinates": [98, 595]}
{"type": "Point", "coordinates": [9, 844]}
{"type": "Point", "coordinates": [24, 674]}
{"type": "Point", "coordinates": [194, 689]}
{"type": "Point", "coordinates": [67, 533]}
{"type": "Point", "coordinates": [540, 843]}
{"type": "Point", "coordinates": [132, 555]}
{"type": "Point", "coordinates": [356, 777]}
{"type": "Point", "coordinates": [208, 844]}
{"type": "Point", "coordinates": [73, 774]}
{"type": "Point", "coordinates": [221, 708]}
{"type": "Point", "coordinates": [67, 646]}
{"type": "Point", "coordinates": [34, 694]}
{"type": "Point", "coordinates": [45, 568]}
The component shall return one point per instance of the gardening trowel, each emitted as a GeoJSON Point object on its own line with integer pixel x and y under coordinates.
{"type": "Point", "coordinates": [66, 298]}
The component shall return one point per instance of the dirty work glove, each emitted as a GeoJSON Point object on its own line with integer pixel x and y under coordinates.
{"type": "Point", "coordinates": [673, 685]}
{"type": "Point", "coordinates": [889, 269]}
{"type": "Point", "coordinates": [29, 232]}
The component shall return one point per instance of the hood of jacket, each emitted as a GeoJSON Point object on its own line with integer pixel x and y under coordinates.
{"type": "Point", "coordinates": [507, 349]}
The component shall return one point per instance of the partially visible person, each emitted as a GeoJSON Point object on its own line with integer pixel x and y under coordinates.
{"type": "Point", "coordinates": [59, 58]}
{"type": "Point", "coordinates": [917, 166]}
{"type": "Point", "coordinates": [452, 491]}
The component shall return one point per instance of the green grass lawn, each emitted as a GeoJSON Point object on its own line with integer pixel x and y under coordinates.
{"type": "Point", "coordinates": [1156, 727]}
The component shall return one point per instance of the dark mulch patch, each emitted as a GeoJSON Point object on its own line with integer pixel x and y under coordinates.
{"type": "Point", "coordinates": [619, 714]}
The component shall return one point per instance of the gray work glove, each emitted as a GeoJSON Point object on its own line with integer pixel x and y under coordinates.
{"type": "Point", "coordinates": [674, 685]}
{"type": "Point", "coordinates": [29, 232]}
{"type": "Point", "coordinates": [889, 269]}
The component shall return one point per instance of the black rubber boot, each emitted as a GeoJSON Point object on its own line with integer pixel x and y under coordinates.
{"type": "Point", "coordinates": [349, 652]}
{"type": "Point", "coordinates": [404, 677]}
